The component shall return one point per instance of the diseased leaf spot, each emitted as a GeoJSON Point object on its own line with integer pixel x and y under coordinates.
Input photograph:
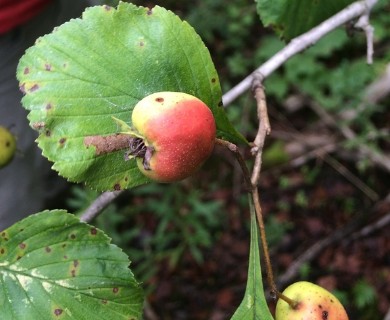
{"type": "Point", "coordinates": [49, 106]}
{"type": "Point", "coordinates": [72, 236]}
{"type": "Point", "coordinates": [73, 273]}
{"type": "Point", "coordinates": [48, 249]}
{"type": "Point", "coordinates": [104, 301]}
{"type": "Point", "coordinates": [22, 88]}
{"type": "Point", "coordinates": [26, 70]}
{"type": "Point", "coordinates": [93, 231]}
{"type": "Point", "coordinates": [2, 251]}
{"type": "Point", "coordinates": [47, 133]}
{"type": "Point", "coordinates": [62, 141]}
{"type": "Point", "coordinates": [58, 312]}
{"type": "Point", "coordinates": [107, 8]}
{"type": "Point", "coordinates": [38, 125]}
{"type": "Point", "coordinates": [213, 80]}
{"type": "Point", "coordinates": [115, 290]}
{"type": "Point", "coordinates": [141, 43]}
{"type": "Point", "coordinates": [220, 104]}
{"type": "Point", "coordinates": [159, 99]}
{"type": "Point", "coordinates": [66, 257]}
{"type": "Point", "coordinates": [35, 87]}
{"type": "Point", "coordinates": [48, 67]}
{"type": "Point", "coordinates": [22, 246]}
{"type": "Point", "coordinates": [117, 186]}
{"type": "Point", "coordinates": [75, 263]}
{"type": "Point", "coordinates": [149, 12]}
{"type": "Point", "coordinates": [18, 257]}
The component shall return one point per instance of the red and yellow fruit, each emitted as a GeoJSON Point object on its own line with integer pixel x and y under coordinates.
{"type": "Point", "coordinates": [175, 135]}
{"type": "Point", "coordinates": [312, 302]}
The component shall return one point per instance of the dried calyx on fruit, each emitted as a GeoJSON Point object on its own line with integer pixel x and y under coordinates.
{"type": "Point", "coordinates": [173, 134]}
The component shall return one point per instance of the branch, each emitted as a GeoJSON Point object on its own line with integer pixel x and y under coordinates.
{"type": "Point", "coordinates": [298, 44]}
{"type": "Point", "coordinates": [99, 204]}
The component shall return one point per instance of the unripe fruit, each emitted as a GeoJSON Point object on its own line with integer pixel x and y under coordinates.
{"type": "Point", "coordinates": [177, 133]}
{"type": "Point", "coordinates": [7, 146]}
{"type": "Point", "coordinates": [312, 303]}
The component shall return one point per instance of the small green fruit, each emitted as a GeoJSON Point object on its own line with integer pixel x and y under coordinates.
{"type": "Point", "coordinates": [312, 303]}
{"type": "Point", "coordinates": [175, 135]}
{"type": "Point", "coordinates": [7, 146]}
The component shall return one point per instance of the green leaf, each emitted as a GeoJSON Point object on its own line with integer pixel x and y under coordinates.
{"type": "Point", "coordinates": [254, 305]}
{"type": "Point", "coordinates": [52, 266]}
{"type": "Point", "coordinates": [292, 18]}
{"type": "Point", "coordinates": [92, 69]}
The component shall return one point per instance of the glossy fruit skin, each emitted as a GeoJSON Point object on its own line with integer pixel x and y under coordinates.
{"type": "Point", "coordinates": [313, 303]}
{"type": "Point", "coordinates": [180, 130]}
{"type": "Point", "coordinates": [7, 146]}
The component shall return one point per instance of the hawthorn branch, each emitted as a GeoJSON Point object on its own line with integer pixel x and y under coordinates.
{"type": "Point", "coordinates": [99, 204]}
{"type": "Point", "coordinates": [302, 42]}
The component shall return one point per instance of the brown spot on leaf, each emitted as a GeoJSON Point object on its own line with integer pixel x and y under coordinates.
{"type": "Point", "coordinates": [48, 249]}
{"type": "Point", "coordinates": [38, 125]}
{"type": "Point", "coordinates": [73, 273]}
{"type": "Point", "coordinates": [72, 236]}
{"type": "Point", "coordinates": [115, 290]}
{"type": "Point", "coordinates": [76, 263]}
{"type": "Point", "coordinates": [22, 245]}
{"type": "Point", "coordinates": [117, 187]}
{"type": "Point", "coordinates": [47, 66]}
{"type": "Point", "coordinates": [58, 312]}
{"type": "Point", "coordinates": [107, 8]}
{"type": "Point", "coordinates": [49, 106]}
{"type": "Point", "coordinates": [62, 141]}
{"type": "Point", "coordinates": [35, 87]}
{"type": "Point", "coordinates": [104, 301]}
{"type": "Point", "coordinates": [141, 43]}
{"type": "Point", "coordinates": [22, 88]}
{"type": "Point", "coordinates": [108, 144]}
{"type": "Point", "coordinates": [48, 133]}
{"type": "Point", "coordinates": [159, 99]}
{"type": "Point", "coordinates": [149, 12]}
{"type": "Point", "coordinates": [213, 80]}
{"type": "Point", "coordinates": [2, 251]}
{"type": "Point", "coordinates": [93, 231]}
{"type": "Point", "coordinates": [220, 104]}
{"type": "Point", "coordinates": [26, 70]}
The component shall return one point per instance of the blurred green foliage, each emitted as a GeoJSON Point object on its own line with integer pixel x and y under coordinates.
{"type": "Point", "coordinates": [159, 224]}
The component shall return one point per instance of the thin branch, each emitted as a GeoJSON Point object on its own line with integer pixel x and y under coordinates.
{"type": "Point", "coordinates": [364, 24]}
{"type": "Point", "coordinates": [263, 131]}
{"type": "Point", "coordinates": [240, 159]}
{"type": "Point", "coordinates": [299, 44]}
{"type": "Point", "coordinates": [387, 315]}
{"type": "Point", "coordinates": [99, 204]}
{"type": "Point", "coordinates": [314, 251]}
{"type": "Point", "coordinates": [367, 230]}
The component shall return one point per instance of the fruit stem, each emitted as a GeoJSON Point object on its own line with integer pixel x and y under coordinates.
{"type": "Point", "coordinates": [253, 190]}
{"type": "Point", "coordinates": [292, 303]}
